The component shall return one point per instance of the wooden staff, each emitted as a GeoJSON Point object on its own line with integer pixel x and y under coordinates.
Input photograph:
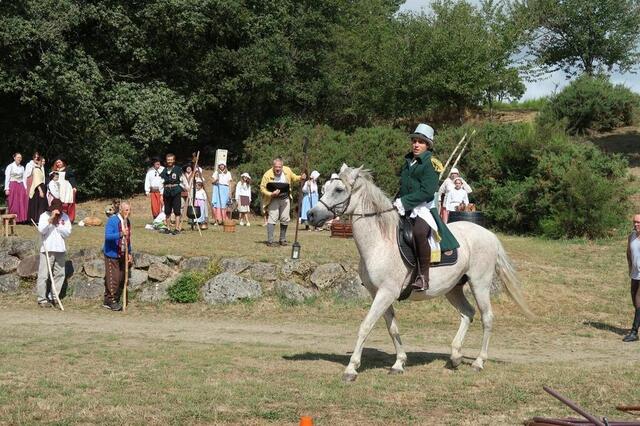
{"type": "Point", "coordinates": [53, 283]}
{"type": "Point", "coordinates": [191, 190]}
{"type": "Point", "coordinates": [126, 269]}
{"type": "Point", "coordinates": [451, 156]}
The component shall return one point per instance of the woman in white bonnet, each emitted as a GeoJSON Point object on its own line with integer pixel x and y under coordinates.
{"type": "Point", "coordinates": [243, 197]}
{"type": "Point", "coordinates": [447, 186]}
{"type": "Point", "coordinates": [310, 196]}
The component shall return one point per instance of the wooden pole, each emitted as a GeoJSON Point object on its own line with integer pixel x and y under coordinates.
{"type": "Point", "coordinates": [304, 170]}
{"type": "Point", "coordinates": [126, 272]}
{"type": "Point", "coordinates": [53, 283]}
{"type": "Point", "coordinates": [462, 151]}
{"type": "Point", "coordinates": [451, 156]}
{"type": "Point", "coordinates": [192, 188]}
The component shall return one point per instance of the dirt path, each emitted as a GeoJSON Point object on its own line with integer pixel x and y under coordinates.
{"type": "Point", "coordinates": [508, 346]}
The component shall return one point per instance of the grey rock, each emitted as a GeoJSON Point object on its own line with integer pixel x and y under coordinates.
{"type": "Point", "coordinates": [21, 247]}
{"type": "Point", "coordinates": [263, 271]}
{"type": "Point", "coordinates": [84, 287]}
{"type": "Point", "coordinates": [326, 276]}
{"type": "Point", "coordinates": [198, 263]}
{"type": "Point", "coordinates": [235, 265]}
{"type": "Point", "coordinates": [301, 268]}
{"type": "Point", "coordinates": [28, 267]}
{"type": "Point", "coordinates": [144, 260]}
{"type": "Point", "coordinates": [8, 264]}
{"type": "Point", "coordinates": [94, 268]}
{"type": "Point", "coordinates": [159, 272]}
{"type": "Point", "coordinates": [293, 292]}
{"type": "Point", "coordinates": [174, 259]}
{"type": "Point", "coordinates": [227, 288]}
{"type": "Point", "coordinates": [9, 283]}
{"type": "Point", "coordinates": [350, 287]}
{"type": "Point", "coordinates": [137, 278]}
{"type": "Point", "coordinates": [78, 258]}
{"type": "Point", "coordinates": [155, 291]}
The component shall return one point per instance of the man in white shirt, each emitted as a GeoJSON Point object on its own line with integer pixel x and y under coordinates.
{"type": "Point", "coordinates": [153, 186]}
{"type": "Point", "coordinates": [54, 227]}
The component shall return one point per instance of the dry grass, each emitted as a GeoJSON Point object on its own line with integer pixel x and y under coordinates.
{"type": "Point", "coordinates": [268, 363]}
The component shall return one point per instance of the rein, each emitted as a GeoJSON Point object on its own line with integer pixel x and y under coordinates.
{"type": "Point", "coordinates": [346, 204]}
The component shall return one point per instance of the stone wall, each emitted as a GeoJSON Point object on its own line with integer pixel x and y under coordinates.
{"type": "Point", "coordinates": [150, 277]}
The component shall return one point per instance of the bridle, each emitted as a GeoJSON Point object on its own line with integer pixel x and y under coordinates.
{"type": "Point", "coordinates": [344, 204]}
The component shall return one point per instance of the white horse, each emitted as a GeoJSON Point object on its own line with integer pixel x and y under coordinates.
{"type": "Point", "coordinates": [385, 275]}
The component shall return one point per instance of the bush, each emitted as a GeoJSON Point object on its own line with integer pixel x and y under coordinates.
{"type": "Point", "coordinates": [186, 289]}
{"type": "Point", "coordinates": [591, 103]}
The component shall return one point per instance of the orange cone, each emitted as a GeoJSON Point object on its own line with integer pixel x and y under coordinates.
{"type": "Point", "coordinates": [306, 421]}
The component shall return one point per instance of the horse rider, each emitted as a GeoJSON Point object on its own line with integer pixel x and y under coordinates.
{"type": "Point", "coordinates": [416, 197]}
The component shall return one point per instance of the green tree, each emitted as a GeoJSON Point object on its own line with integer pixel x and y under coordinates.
{"type": "Point", "coordinates": [587, 36]}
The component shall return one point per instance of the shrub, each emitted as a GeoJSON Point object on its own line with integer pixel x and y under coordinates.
{"type": "Point", "coordinates": [591, 103]}
{"type": "Point", "coordinates": [186, 289]}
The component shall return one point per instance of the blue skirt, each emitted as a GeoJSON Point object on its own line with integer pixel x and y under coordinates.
{"type": "Point", "coordinates": [220, 196]}
{"type": "Point", "coordinates": [308, 202]}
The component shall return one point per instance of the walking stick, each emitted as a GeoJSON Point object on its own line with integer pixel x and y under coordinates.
{"type": "Point", "coordinates": [53, 284]}
{"type": "Point", "coordinates": [295, 251]}
{"type": "Point", "coordinates": [126, 274]}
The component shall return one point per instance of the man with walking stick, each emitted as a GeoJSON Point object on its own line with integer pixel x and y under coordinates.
{"type": "Point", "coordinates": [117, 256]}
{"type": "Point", "coordinates": [54, 227]}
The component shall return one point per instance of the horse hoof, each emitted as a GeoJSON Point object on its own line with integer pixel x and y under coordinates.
{"type": "Point", "coordinates": [349, 377]}
{"type": "Point", "coordinates": [477, 368]}
{"type": "Point", "coordinates": [396, 371]}
{"type": "Point", "coordinates": [453, 365]}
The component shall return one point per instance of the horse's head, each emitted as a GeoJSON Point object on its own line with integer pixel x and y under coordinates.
{"type": "Point", "coordinates": [336, 197]}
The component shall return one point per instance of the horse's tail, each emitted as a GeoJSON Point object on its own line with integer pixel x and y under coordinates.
{"type": "Point", "coordinates": [507, 273]}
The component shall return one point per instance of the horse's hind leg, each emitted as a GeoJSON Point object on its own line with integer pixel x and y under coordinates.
{"type": "Point", "coordinates": [457, 298]}
{"type": "Point", "coordinates": [482, 293]}
{"type": "Point", "coordinates": [381, 303]}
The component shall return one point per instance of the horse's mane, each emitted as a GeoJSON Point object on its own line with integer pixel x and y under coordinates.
{"type": "Point", "coordinates": [374, 199]}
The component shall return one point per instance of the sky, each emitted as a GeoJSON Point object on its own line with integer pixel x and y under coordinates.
{"type": "Point", "coordinates": [547, 84]}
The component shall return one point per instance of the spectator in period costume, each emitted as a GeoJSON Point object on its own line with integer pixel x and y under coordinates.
{"type": "Point", "coordinates": [171, 193]}
{"type": "Point", "coordinates": [55, 227]}
{"type": "Point", "coordinates": [447, 186]}
{"type": "Point", "coordinates": [243, 198]}
{"type": "Point", "coordinates": [633, 261]}
{"type": "Point", "coordinates": [53, 187]}
{"type": "Point", "coordinates": [153, 186]}
{"type": "Point", "coordinates": [15, 189]}
{"type": "Point", "coordinates": [310, 196]}
{"type": "Point", "coordinates": [117, 234]}
{"type": "Point", "coordinates": [220, 194]}
{"type": "Point", "coordinates": [201, 200]}
{"type": "Point", "coordinates": [187, 185]}
{"type": "Point", "coordinates": [37, 191]}
{"type": "Point", "coordinates": [67, 184]}
{"type": "Point", "coordinates": [28, 169]}
{"type": "Point", "coordinates": [275, 188]}
{"type": "Point", "coordinates": [455, 197]}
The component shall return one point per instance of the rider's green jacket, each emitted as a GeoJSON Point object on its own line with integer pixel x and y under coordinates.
{"type": "Point", "coordinates": [418, 184]}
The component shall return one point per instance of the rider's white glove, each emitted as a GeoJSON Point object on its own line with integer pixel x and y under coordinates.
{"type": "Point", "coordinates": [398, 205]}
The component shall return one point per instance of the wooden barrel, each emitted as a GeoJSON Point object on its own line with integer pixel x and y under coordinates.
{"type": "Point", "coordinates": [341, 230]}
{"type": "Point", "coordinates": [475, 217]}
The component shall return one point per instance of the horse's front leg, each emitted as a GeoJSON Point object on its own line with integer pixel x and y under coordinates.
{"type": "Point", "coordinates": [381, 303]}
{"type": "Point", "coordinates": [392, 327]}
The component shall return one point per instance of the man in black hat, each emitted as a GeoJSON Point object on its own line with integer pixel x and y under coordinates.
{"type": "Point", "coordinates": [171, 194]}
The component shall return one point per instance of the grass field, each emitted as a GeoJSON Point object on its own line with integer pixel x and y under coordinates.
{"type": "Point", "coordinates": [265, 362]}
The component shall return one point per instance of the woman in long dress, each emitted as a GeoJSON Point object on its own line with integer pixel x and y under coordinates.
{"type": "Point", "coordinates": [202, 202]}
{"type": "Point", "coordinates": [310, 196]}
{"type": "Point", "coordinates": [15, 189]}
{"type": "Point", "coordinates": [37, 190]}
{"type": "Point", "coordinates": [220, 195]}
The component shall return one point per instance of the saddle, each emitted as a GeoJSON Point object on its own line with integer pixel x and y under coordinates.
{"type": "Point", "coordinates": [405, 245]}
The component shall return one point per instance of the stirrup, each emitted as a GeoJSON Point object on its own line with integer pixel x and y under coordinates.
{"type": "Point", "coordinates": [420, 284]}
